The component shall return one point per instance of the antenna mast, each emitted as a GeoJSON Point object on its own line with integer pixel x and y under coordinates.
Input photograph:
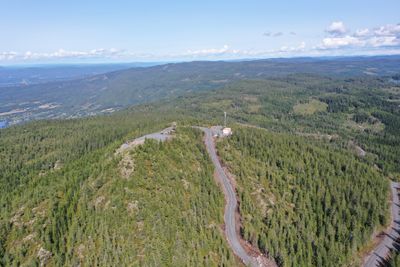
{"type": "Point", "coordinates": [224, 119]}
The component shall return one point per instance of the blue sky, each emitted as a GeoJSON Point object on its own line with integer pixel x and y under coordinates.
{"type": "Point", "coordinates": [120, 31]}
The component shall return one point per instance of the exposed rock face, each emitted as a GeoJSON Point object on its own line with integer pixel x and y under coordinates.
{"type": "Point", "coordinates": [126, 165]}
{"type": "Point", "coordinates": [99, 201]}
{"type": "Point", "coordinates": [44, 256]}
{"type": "Point", "coordinates": [356, 149]}
{"type": "Point", "coordinates": [185, 184]}
{"type": "Point", "coordinates": [80, 251]}
{"type": "Point", "coordinates": [29, 238]}
{"type": "Point", "coordinates": [16, 220]}
{"type": "Point", "coordinates": [132, 206]}
{"type": "Point", "coordinates": [58, 165]}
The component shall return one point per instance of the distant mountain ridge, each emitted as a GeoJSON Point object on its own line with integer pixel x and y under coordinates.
{"type": "Point", "coordinates": [111, 91]}
{"type": "Point", "coordinates": [44, 73]}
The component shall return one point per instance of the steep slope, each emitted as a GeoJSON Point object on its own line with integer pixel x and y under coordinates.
{"type": "Point", "coordinates": [167, 211]}
{"type": "Point", "coordinates": [231, 216]}
{"type": "Point", "coordinates": [307, 205]}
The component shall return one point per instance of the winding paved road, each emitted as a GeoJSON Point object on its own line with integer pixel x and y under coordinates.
{"type": "Point", "coordinates": [382, 250]}
{"type": "Point", "coordinates": [231, 206]}
{"type": "Point", "coordinates": [159, 136]}
{"type": "Point", "coordinates": [376, 257]}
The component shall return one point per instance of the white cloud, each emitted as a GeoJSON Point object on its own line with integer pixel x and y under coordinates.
{"type": "Point", "coordinates": [384, 41]}
{"type": "Point", "coordinates": [300, 48]}
{"type": "Point", "coordinates": [338, 42]}
{"type": "Point", "coordinates": [388, 30]}
{"type": "Point", "coordinates": [227, 52]}
{"type": "Point", "coordinates": [362, 32]}
{"type": "Point", "coordinates": [8, 55]}
{"type": "Point", "coordinates": [378, 40]}
{"type": "Point", "coordinates": [209, 52]}
{"type": "Point", "coordinates": [61, 54]}
{"type": "Point", "coordinates": [337, 28]}
{"type": "Point", "coordinates": [379, 37]}
{"type": "Point", "coordinates": [273, 34]}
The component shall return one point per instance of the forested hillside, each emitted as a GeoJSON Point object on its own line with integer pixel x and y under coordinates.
{"type": "Point", "coordinates": [28, 75]}
{"type": "Point", "coordinates": [351, 113]}
{"type": "Point", "coordinates": [115, 90]}
{"type": "Point", "coordinates": [31, 155]}
{"type": "Point", "coordinates": [322, 167]}
{"type": "Point", "coordinates": [79, 208]}
{"type": "Point", "coordinates": [305, 204]}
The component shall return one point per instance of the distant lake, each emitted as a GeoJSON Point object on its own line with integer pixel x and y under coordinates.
{"type": "Point", "coordinates": [3, 124]}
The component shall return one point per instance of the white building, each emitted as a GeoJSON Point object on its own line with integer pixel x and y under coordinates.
{"type": "Point", "coordinates": [226, 131]}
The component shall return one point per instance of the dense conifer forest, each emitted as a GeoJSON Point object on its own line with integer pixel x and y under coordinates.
{"type": "Point", "coordinates": [85, 211]}
{"type": "Point", "coordinates": [312, 182]}
{"type": "Point", "coordinates": [305, 204]}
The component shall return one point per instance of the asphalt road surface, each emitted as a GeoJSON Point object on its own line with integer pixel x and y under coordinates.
{"type": "Point", "coordinates": [159, 136]}
{"type": "Point", "coordinates": [382, 251]}
{"type": "Point", "coordinates": [231, 206]}
{"type": "Point", "coordinates": [376, 257]}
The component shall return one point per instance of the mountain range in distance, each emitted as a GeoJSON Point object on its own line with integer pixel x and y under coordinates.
{"type": "Point", "coordinates": [23, 75]}
{"type": "Point", "coordinates": [68, 91]}
{"type": "Point", "coordinates": [314, 154]}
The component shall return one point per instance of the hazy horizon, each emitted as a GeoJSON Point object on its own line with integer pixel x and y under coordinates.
{"type": "Point", "coordinates": [155, 62]}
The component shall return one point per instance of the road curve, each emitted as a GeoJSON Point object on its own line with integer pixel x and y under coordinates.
{"type": "Point", "coordinates": [382, 250]}
{"type": "Point", "coordinates": [231, 206]}
{"type": "Point", "coordinates": [162, 136]}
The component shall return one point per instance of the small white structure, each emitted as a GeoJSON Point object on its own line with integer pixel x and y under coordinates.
{"type": "Point", "coordinates": [226, 131]}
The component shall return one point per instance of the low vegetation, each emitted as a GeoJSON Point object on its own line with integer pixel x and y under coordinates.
{"type": "Point", "coordinates": [310, 107]}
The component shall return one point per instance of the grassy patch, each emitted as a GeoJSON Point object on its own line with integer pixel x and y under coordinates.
{"type": "Point", "coordinates": [310, 108]}
{"type": "Point", "coordinates": [371, 125]}
{"type": "Point", "coordinates": [220, 104]}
